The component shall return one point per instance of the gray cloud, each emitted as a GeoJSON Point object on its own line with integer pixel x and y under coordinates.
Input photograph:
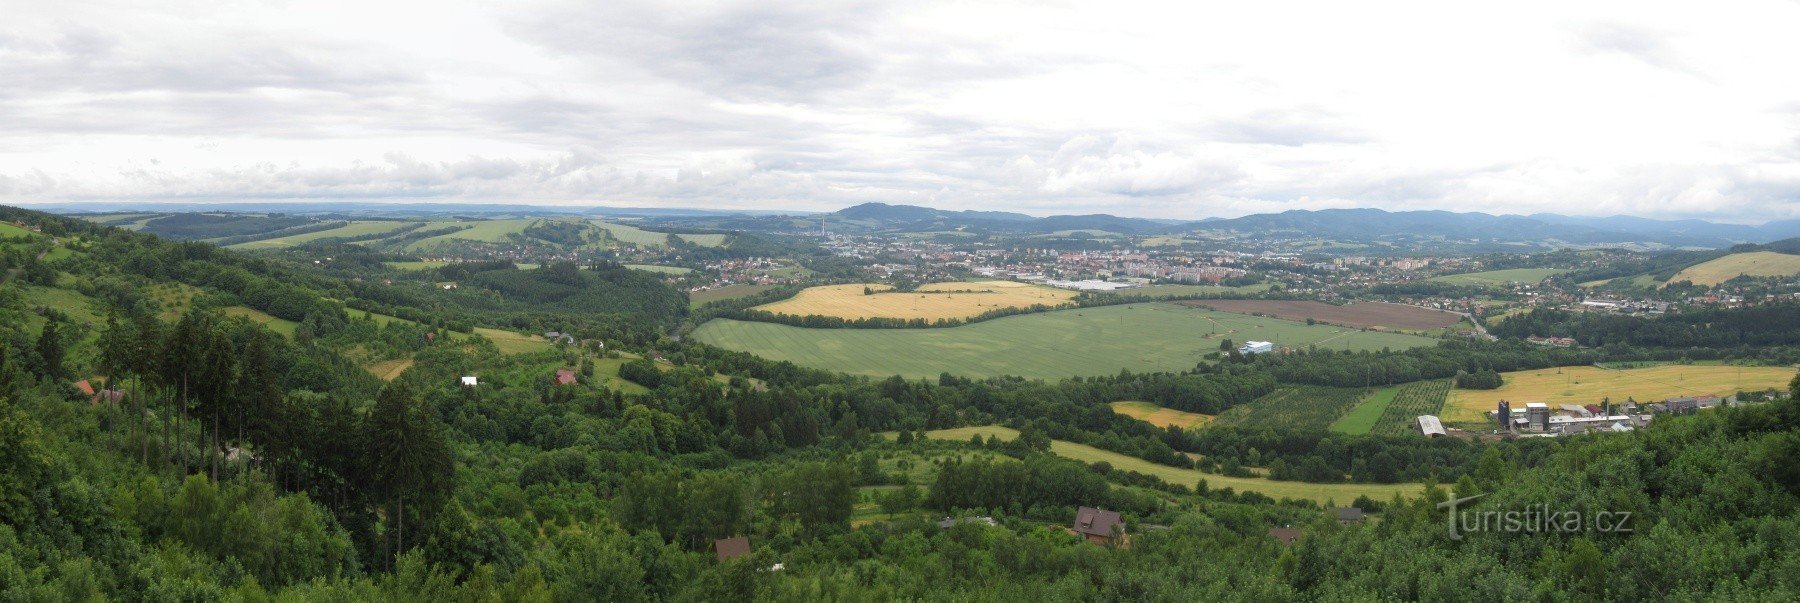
{"type": "Point", "coordinates": [817, 105]}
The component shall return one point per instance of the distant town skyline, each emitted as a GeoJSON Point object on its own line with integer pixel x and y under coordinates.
{"type": "Point", "coordinates": [1132, 109]}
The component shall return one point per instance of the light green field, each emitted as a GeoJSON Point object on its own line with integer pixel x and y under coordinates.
{"type": "Point", "coordinates": [699, 298]}
{"type": "Point", "coordinates": [279, 325]}
{"type": "Point", "coordinates": [489, 231]}
{"type": "Point", "coordinates": [417, 265]}
{"type": "Point", "coordinates": [1499, 277]}
{"type": "Point", "coordinates": [513, 343]}
{"type": "Point", "coordinates": [1341, 493]}
{"type": "Point", "coordinates": [1755, 263]}
{"type": "Point", "coordinates": [1050, 345]}
{"type": "Point", "coordinates": [1368, 412]}
{"type": "Point", "coordinates": [9, 231]}
{"type": "Point", "coordinates": [352, 229]}
{"type": "Point", "coordinates": [625, 233]}
{"type": "Point", "coordinates": [661, 269]}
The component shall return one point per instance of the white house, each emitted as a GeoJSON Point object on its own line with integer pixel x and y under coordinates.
{"type": "Point", "coordinates": [1256, 347]}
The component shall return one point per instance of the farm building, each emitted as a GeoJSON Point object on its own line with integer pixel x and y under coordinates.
{"type": "Point", "coordinates": [1099, 526]}
{"type": "Point", "coordinates": [1537, 416]}
{"type": "Point", "coordinates": [1256, 347]}
{"type": "Point", "coordinates": [1430, 426]}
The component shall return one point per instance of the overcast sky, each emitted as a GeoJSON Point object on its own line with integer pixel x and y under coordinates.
{"type": "Point", "coordinates": [1157, 109]}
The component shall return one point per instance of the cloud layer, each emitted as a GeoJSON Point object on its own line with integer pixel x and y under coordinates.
{"type": "Point", "coordinates": [1128, 108]}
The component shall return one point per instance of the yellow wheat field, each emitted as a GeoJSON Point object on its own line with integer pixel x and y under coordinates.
{"type": "Point", "coordinates": [1756, 263]}
{"type": "Point", "coordinates": [1583, 385]}
{"type": "Point", "coordinates": [930, 302]}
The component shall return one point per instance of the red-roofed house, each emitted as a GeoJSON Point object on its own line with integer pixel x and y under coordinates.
{"type": "Point", "coordinates": [565, 377]}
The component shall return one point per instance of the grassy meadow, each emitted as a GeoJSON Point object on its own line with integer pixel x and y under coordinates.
{"type": "Point", "coordinates": [930, 302]}
{"type": "Point", "coordinates": [1588, 384]}
{"type": "Point", "coordinates": [1048, 345]}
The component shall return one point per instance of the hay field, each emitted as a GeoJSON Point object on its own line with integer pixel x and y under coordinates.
{"type": "Point", "coordinates": [1493, 278]}
{"type": "Point", "coordinates": [1588, 384]}
{"type": "Point", "coordinates": [1756, 263]}
{"type": "Point", "coordinates": [1341, 493]}
{"type": "Point", "coordinates": [930, 302]}
{"type": "Point", "coordinates": [1159, 416]}
{"type": "Point", "coordinates": [513, 343]}
{"type": "Point", "coordinates": [1047, 345]}
{"type": "Point", "coordinates": [352, 229]}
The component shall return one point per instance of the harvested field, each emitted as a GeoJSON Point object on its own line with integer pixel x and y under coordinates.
{"type": "Point", "coordinates": [1161, 417]}
{"type": "Point", "coordinates": [1588, 384]}
{"type": "Point", "coordinates": [930, 302]}
{"type": "Point", "coordinates": [1365, 314]}
{"type": "Point", "coordinates": [1756, 263]}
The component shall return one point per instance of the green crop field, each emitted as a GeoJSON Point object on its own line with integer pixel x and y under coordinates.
{"type": "Point", "coordinates": [1048, 345]}
{"type": "Point", "coordinates": [1289, 408]}
{"type": "Point", "coordinates": [348, 230]}
{"type": "Point", "coordinates": [1411, 401]}
{"type": "Point", "coordinates": [1493, 278]}
{"type": "Point", "coordinates": [1341, 493]}
{"type": "Point", "coordinates": [1362, 419]}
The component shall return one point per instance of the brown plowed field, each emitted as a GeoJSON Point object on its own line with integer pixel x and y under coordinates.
{"type": "Point", "coordinates": [1362, 314]}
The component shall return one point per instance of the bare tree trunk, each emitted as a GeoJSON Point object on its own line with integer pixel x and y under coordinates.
{"type": "Point", "coordinates": [217, 456]}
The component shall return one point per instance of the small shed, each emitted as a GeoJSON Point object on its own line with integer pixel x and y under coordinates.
{"type": "Point", "coordinates": [1348, 515]}
{"type": "Point", "coordinates": [733, 547]}
{"type": "Point", "coordinates": [1430, 426]}
{"type": "Point", "coordinates": [469, 381]}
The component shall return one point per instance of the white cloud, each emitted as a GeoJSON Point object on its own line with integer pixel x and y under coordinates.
{"type": "Point", "coordinates": [1155, 109]}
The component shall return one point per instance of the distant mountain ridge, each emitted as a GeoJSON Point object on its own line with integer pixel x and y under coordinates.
{"type": "Point", "coordinates": [1353, 224]}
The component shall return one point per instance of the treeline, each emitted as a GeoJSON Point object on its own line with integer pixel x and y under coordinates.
{"type": "Point", "coordinates": [1763, 325]}
{"type": "Point", "coordinates": [191, 226]}
{"type": "Point", "coordinates": [398, 232]}
{"type": "Point", "coordinates": [285, 232]}
{"type": "Point", "coordinates": [813, 321]}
